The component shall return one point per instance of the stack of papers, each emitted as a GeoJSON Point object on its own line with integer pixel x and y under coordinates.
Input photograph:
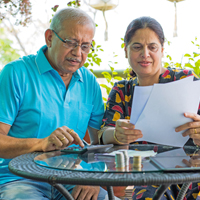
{"type": "Point", "coordinates": [157, 110]}
{"type": "Point", "coordinates": [132, 153]}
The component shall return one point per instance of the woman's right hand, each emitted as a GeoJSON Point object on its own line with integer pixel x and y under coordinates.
{"type": "Point", "coordinates": [125, 132]}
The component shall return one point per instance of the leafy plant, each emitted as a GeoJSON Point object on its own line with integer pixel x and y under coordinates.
{"type": "Point", "coordinates": [194, 60]}
{"type": "Point", "coordinates": [75, 4]}
{"type": "Point", "coordinates": [93, 56]}
{"type": "Point", "coordinates": [171, 63]}
{"type": "Point", "coordinates": [7, 53]}
{"type": "Point", "coordinates": [111, 78]}
{"type": "Point", "coordinates": [19, 8]}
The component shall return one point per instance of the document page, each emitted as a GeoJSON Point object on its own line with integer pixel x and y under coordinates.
{"type": "Point", "coordinates": [163, 110]}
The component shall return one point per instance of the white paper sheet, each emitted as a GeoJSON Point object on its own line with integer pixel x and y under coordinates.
{"type": "Point", "coordinates": [132, 153]}
{"type": "Point", "coordinates": [139, 103]}
{"type": "Point", "coordinates": [164, 110]}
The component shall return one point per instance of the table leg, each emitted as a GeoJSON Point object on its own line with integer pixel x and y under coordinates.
{"type": "Point", "coordinates": [183, 190]}
{"type": "Point", "coordinates": [110, 193]}
{"type": "Point", "coordinates": [63, 191]}
{"type": "Point", "coordinates": [160, 191]}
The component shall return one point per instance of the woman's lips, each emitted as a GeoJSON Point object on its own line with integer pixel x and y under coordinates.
{"type": "Point", "coordinates": [144, 64]}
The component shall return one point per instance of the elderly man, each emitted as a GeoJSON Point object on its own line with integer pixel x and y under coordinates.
{"type": "Point", "coordinates": [47, 102]}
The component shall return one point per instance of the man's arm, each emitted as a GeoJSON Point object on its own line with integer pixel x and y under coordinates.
{"type": "Point", "coordinates": [11, 147]}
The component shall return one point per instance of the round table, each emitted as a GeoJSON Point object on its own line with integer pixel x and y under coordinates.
{"type": "Point", "coordinates": [25, 166]}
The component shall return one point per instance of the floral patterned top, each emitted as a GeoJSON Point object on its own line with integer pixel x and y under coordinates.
{"type": "Point", "coordinates": [120, 98]}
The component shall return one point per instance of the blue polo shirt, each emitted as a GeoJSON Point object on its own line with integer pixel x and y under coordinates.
{"type": "Point", "coordinates": [35, 102]}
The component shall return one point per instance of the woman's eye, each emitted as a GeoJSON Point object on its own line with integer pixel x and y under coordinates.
{"type": "Point", "coordinates": [153, 48]}
{"type": "Point", "coordinates": [136, 48]}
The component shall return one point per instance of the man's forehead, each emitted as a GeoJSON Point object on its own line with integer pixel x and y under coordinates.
{"type": "Point", "coordinates": [77, 32]}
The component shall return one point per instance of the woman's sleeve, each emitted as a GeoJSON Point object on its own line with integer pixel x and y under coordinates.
{"type": "Point", "coordinates": [114, 107]}
{"type": "Point", "coordinates": [114, 110]}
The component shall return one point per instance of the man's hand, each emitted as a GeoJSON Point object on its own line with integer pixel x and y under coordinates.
{"type": "Point", "coordinates": [60, 139]}
{"type": "Point", "coordinates": [84, 192]}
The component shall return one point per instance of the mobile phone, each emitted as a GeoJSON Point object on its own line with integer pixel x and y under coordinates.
{"type": "Point", "coordinates": [87, 149]}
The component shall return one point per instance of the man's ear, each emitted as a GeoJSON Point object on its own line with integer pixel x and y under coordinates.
{"type": "Point", "coordinates": [126, 53]}
{"type": "Point", "coordinates": [48, 37]}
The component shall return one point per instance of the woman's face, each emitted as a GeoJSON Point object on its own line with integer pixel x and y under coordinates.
{"type": "Point", "coordinates": [144, 53]}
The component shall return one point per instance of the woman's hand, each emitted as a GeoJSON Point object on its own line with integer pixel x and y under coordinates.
{"type": "Point", "coordinates": [194, 161]}
{"type": "Point", "coordinates": [192, 128]}
{"type": "Point", "coordinates": [125, 132]}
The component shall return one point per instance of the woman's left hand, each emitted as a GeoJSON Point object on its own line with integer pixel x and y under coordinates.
{"type": "Point", "coordinates": [192, 128]}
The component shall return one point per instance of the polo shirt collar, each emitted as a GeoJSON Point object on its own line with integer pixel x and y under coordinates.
{"type": "Point", "coordinates": [77, 74]}
{"type": "Point", "coordinates": [44, 65]}
{"type": "Point", "coordinates": [42, 62]}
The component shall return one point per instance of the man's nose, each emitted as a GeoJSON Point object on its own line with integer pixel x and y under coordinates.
{"type": "Point", "coordinates": [77, 51]}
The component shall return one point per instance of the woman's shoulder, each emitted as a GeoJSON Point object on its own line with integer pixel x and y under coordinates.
{"type": "Point", "coordinates": [178, 73]}
{"type": "Point", "coordinates": [124, 83]}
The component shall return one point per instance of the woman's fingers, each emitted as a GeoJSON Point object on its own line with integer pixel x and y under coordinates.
{"type": "Point", "coordinates": [125, 132]}
{"type": "Point", "coordinates": [127, 135]}
{"type": "Point", "coordinates": [190, 125]}
{"type": "Point", "coordinates": [191, 129]}
{"type": "Point", "coordinates": [124, 123]}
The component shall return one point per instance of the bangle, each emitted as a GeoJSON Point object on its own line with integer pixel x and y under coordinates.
{"type": "Point", "coordinates": [114, 135]}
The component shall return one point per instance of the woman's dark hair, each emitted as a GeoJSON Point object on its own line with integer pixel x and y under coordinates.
{"type": "Point", "coordinates": [144, 22]}
{"type": "Point", "coordinates": [140, 23]}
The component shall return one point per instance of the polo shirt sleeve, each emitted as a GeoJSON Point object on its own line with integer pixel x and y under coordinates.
{"type": "Point", "coordinates": [10, 94]}
{"type": "Point", "coordinates": [98, 107]}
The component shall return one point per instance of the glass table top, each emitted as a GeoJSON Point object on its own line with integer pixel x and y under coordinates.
{"type": "Point", "coordinates": [127, 158]}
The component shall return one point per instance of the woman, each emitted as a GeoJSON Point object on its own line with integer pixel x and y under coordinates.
{"type": "Point", "coordinates": [144, 46]}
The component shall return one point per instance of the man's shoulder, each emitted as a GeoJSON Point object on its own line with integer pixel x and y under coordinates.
{"type": "Point", "coordinates": [21, 62]}
{"type": "Point", "coordinates": [25, 62]}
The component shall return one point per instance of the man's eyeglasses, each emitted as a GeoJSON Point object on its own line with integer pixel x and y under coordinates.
{"type": "Point", "coordinates": [69, 44]}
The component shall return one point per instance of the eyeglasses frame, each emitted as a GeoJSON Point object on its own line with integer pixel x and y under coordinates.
{"type": "Point", "coordinates": [64, 41]}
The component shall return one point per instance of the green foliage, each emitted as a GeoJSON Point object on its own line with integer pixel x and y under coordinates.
{"type": "Point", "coordinates": [122, 45]}
{"type": "Point", "coordinates": [193, 61]}
{"type": "Point", "coordinates": [74, 4]}
{"type": "Point", "coordinates": [55, 8]}
{"type": "Point", "coordinates": [170, 62]}
{"type": "Point", "coordinates": [93, 56]}
{"type": "Point", "coordinates": [20, 10]}
{"type": "Point", "coordinates": [7, 53]}
{"type": "Point", "coordinates": [110, 78]}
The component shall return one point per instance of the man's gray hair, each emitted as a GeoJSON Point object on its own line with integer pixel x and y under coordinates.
{"type": "Point", "coordinates": [74, 14]}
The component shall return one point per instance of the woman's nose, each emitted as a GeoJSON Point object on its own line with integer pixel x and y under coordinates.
{"type": "Point", "coordinates": [145, 52]}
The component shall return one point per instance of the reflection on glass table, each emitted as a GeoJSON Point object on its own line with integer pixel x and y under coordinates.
{"type": "Point", "coordinates": [153, 158]}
